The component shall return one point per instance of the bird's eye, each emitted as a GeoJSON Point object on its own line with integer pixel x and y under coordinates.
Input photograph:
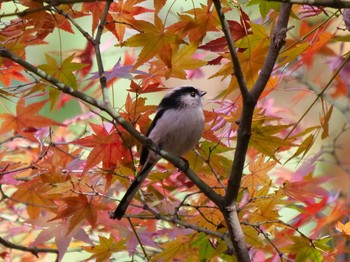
{"type": "Point", "coordinates": [193, 94]}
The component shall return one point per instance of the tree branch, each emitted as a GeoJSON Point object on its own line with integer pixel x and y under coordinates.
{"type": "Point", "coordinates": [175, 220]}
{"type": "Point", "coordinates": [231, 46]}
{"type": "Point", "coordinates": [325, 3]}
{"type": "Point", "coordinates": [34, 250]}
{"type": "Point", "coordinates": [96, 43]}
{"type": "Point", "coordinates": [106, 107]}
{"type": "Point", "coordinates": [244, 131]}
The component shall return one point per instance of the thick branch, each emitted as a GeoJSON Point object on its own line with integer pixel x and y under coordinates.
{"type": "Point", "coordinates": [106, 107]}
{"type": "Point", "coordinates": [244, 132]}
{"type": "Point", "coordinates": [325, 3]}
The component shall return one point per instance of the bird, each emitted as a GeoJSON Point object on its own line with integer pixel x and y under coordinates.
{"type": "Point", "coordinates": [176, 128]}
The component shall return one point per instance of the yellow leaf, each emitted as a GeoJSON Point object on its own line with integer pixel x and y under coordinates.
{"type": "Point", "coordinates": [325, 123]}
{"type": "Point", "coordinates": [183, 60]}
{"type": "Point", "coordinates": [344, 228]}
{"type": "Point", "coordinates": [180, 249]}
{"type": "Point", "coordinates": [105, 248]}
{"type": "Point", "coordinates": [153, 39]}
{"type": "Point", "coordinates": [252, 236]}
{"type": "Point", "coordinates": [258, 176]}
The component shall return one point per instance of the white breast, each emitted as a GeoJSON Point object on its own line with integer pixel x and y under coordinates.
{"type": "Point", "coordinates": [178, 131]}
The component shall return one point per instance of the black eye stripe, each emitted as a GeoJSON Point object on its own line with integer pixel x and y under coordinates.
{"type": "Point", "coordinates": [173, 100]}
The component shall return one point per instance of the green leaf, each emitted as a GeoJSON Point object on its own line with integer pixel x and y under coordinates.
{"type": "Point", "coordinates": [308, 254]}
{"type": "Point", "coordinates": [63, 72]}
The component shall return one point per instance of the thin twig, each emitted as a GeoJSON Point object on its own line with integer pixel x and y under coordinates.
{"type": "Point", "coordinates": [101, 72]}
{"type": "Point", "coordinates": [234, 57]}
{"type": "Point", "coordinates": [34, 250]}
{"type": "Point", "coordinates": [138, 238]}
{"type": "Point", "coordinates": [175, 220]}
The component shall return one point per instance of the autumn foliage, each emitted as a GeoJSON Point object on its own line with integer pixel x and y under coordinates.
{"type": "Point", "coordinates": [272, 164]}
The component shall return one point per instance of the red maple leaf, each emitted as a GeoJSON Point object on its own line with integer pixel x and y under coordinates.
{"type": "Point", "coordinates": [26, 120]}
{"type": "Point", "coordinates": [107, 147]}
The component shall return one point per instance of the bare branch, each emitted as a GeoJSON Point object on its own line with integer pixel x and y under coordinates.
{"type": "Point", "coordinates": [34, 250]}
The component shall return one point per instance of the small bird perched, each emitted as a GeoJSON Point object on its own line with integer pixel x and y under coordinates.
{"type": "Point", "coordinates": [176, 128]}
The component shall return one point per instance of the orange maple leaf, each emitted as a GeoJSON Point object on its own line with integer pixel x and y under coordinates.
{"type": "Point", "coordinates": [26, 119]}
{"type": "Point", "coordinates": [79, 209]}
{"type": "Point", "coordinates": [34, 195]}
{"type": "Point", "coordinates": [184, 60]}
{"type": "Point", "coordinates": [197, 22]}
{"type": "Point", "coordinates": [344, 228]}
{"type": "Point", "coordinates": [12, 72]}
{"type": "Point", "coordinates": [259, 174]}
{"type": "Point", "coordinates": [154, 40]}
{"type": "Point", "coordinates": [123, 13]}
{"type": "Point", "coordinates": [96, 10]}
{"type": "Point", "coordinates": [107, 148]}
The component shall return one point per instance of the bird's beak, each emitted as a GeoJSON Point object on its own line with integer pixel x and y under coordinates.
{"type": "Point", "coordinates": [202, 93]}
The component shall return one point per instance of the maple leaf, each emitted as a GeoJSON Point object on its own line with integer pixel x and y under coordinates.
{"type": "Point", "coordinates": [178, 249]}
{"type": "Point", "coordinates": [26, 119]}
{"type": "Point", "coordinates": [324, 120]}
{"type": "Point", "coordinates": [107, 147]}
{"type": "Point", "coordinates": [258, 174]}
{"type": "Point", "coordinates": [123, 14]}
{"type": "Point", "coordinates": [86, 57]}
{"type": "Point", "coordinates": [266, 209]}
{"type": "Point", "coordinates": [136, 108]}
{"type": "Point", "coordinates": [252, 236]}
{"type": "Point", "coordinates": [34, 195]}
{"type": "Point", "coordinates": [237, 31]}
{"type": "Point", "coordinates": [344, 228]}
{"type": "Point", "coordinates": [96, 11]}
{"type": "Point", "coordinates": [183, 60]}
{"type": "Point", "coordinates": [158, 5]}
{"type": "Point", "coordinates": [263, 138]}
{"type": "Point", "coordinates": [11, 72]}
{"type": "Point", "coordinates": [58, 231]}
{"type": "Point", "coordinates": [55, 163]}
{"type": "Point", "coordinates": [318, 40]}
{"type": "Point", "coordinates": [148, 88]}
{"type": "Point", "coordinates": [119, 71]}
{"type": "Point", "coordinates": [303, 250]}
{"type": "Point", "coordinates": [106, 247]}
{"type": "Point", "coordinates": [63, 72]}
{"type": "Point", "coordinates": [79, 209]}
{"type": "Point", "coordinates": [16, 36]}
{"type": "Point", "coordinates": [265, 7]}
{"type": "Point", "coordinates": [337, 212]}
{"type": "Point", "coordinates": [305, 191]}
{"type": "Point", "coordinates": [154, 40]}
{"type": "Point", "coordinates": [197, 22]}
{"type": "Point", "coordinates": [208, 218]}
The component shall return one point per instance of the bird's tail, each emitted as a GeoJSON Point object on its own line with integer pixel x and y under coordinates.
{"type": "Point", "coordinates": [129, 195]}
